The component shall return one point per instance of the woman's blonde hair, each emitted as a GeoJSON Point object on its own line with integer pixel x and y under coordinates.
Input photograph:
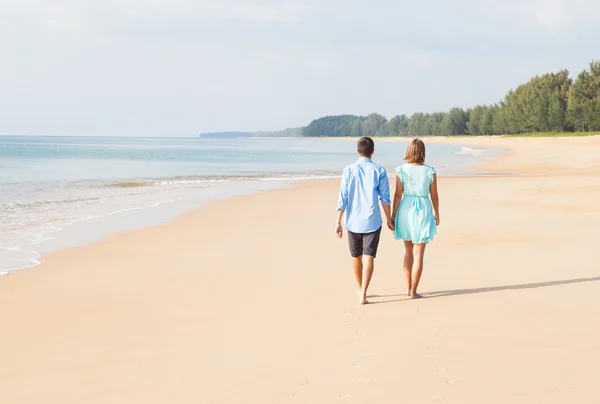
{"type": "Point", "coordinates": [415, 153]}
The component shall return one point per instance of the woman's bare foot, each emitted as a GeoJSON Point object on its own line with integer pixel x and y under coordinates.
{"type": "Point", "coordinates": [415, 295]}
{"type": "Point", "coordinates": [361, 299]}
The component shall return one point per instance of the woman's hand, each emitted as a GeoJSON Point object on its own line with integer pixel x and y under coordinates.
{"type": "Point", "coordinates": [437, 219]}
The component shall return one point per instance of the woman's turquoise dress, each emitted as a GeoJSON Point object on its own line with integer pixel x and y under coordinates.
{"type": "Point", "coordinates": [414, 218]}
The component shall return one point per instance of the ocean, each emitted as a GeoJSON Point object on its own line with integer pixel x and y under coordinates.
{"type": "Point", "coordinates": [59, 192]}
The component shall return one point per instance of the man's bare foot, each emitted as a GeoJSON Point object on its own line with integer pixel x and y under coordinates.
{"type": "Point", "coordinates": [415, 296]}
{"type": "Point", "coordinates": [407, 292]}
{"type": "Point", "coordinates": [363, 300]}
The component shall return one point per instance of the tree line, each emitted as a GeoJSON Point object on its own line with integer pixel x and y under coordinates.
{"type": "Point", "coordinates": [552, 102]}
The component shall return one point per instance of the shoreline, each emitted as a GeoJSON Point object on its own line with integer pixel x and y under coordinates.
{"type": "Point", "coordinates": [491, 168]}
{"type": "Point", "coordinates": [88, 230]}
{"type": "Point", "coordinates": [251, 300]}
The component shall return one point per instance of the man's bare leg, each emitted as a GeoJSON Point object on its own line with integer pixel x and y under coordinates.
{"type": "Point", "coordinates": [417, 269]}
{"type": "Point", "coordinates": [357, 265]}
{"type": "Point", "coordinates": [408, 264]}
{"type": "Point", "coordinates": [367, 273]}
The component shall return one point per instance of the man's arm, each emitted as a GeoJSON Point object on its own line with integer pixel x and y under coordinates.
{"type": "Point", "coordinates": [338, 223]}
{"type": "Point", "coordinates": [342, 204]}
{"type": "Point", "coordinates": [384, 197]}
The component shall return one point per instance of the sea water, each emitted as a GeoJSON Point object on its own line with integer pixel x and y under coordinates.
{"type": "Point", "coordinates": [58, 192]}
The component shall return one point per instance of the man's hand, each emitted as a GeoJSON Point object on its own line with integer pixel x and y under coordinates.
{"type": "Point", "coordinates": [338, 230]}
{"type": "Point", "coordinates": [391, 225]}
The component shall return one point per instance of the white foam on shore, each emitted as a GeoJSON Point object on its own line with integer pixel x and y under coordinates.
{"type": "Point", "coordinates": [16, 258]}
{"type": "Point", "coordinates": [278, 177]}
{"type": "Point", "coordinates": [89, 229]}
{"type": "Point", "coordinates": [304, 178]}
{"type": "Point", "coordinates": [467, 151]}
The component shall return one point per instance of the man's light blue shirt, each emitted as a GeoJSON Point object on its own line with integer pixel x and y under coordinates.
{"type": "Point", "coordinates": [364, 184]}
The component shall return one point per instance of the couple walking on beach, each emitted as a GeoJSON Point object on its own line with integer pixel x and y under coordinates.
{"type": "Point", "coordinates": [412, 217]}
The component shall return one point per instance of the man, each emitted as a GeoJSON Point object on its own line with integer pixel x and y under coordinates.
{"type": "Point", "coordinates": [364, 183]}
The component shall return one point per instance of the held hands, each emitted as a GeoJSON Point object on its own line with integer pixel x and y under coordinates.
{"type": "Point", "coordinates": [391, 223]}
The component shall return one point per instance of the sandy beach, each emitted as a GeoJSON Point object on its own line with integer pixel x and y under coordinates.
{"type": "Point", "coordinates": [251, 300]}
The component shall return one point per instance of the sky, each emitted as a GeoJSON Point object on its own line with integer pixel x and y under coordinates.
{"type": "Point", "coordinates": [181, 67]}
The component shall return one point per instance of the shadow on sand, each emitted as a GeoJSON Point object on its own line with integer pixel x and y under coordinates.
{"type": "Point", "coordinates": [441, 293]}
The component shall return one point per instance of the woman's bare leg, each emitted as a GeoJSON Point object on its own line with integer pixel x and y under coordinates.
{"type": "Point", "coordinates": [417, 269]}
{"type": "Point", "coordinates": [408, 264]}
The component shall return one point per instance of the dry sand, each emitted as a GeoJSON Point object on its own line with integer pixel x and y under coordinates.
{"type": "Point", "coordinates": [251, 300]}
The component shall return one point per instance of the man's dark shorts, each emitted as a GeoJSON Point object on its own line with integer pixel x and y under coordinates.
{"type": "Point", "coordinates": [364, 243]}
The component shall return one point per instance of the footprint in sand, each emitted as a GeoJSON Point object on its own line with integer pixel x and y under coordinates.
{"type": "Point", "coordinates": [345, 398]}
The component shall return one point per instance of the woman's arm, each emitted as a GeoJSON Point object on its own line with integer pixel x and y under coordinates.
{"type": "Point", "coordinates": [397, 197]}
{"type": "Point", "coordinates": [435, 199]}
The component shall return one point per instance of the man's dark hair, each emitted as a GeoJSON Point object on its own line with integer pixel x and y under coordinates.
{"type": "Point", "coordinates": [365, 146]}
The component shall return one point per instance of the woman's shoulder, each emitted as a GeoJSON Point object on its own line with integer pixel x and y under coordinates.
{"type": "Point", "coordinates": [400, 168]}
{"type": "Point", "coordinates": [407, 166]}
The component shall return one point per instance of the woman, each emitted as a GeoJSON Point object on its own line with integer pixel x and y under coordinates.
{"type": "Point", "coordinates": [416, 216]}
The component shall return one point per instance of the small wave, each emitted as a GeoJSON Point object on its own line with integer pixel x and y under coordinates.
{"type": "Point", "coordinates": [257, 177]}
{"type": "Point", "coordinates": [132, 209]}
{"type": "Point", "coordinates": [217, 179]}
{"type": "Point", "coordinates": [19, 259]}
{"type": "Point", "coordinates": [191, 181]}
{"type": "Point", "coordinates": [301, 178]}
{"type": "Point", "coordinates": [37, 204]}
{"type": "Point", "coordinates": [129, 185]}
{"type": "Point", "coordinates": [467, 151]}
